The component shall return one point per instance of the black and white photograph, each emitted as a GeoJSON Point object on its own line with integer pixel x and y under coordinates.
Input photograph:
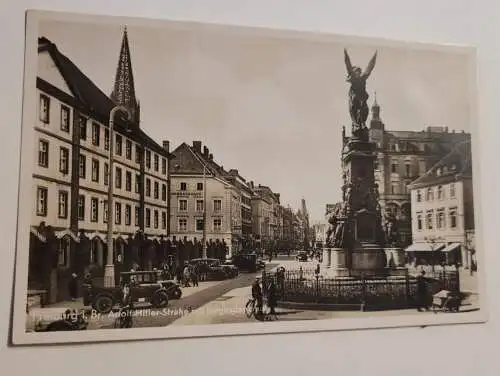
{"type": "Point", "coordinates": [184, 179]}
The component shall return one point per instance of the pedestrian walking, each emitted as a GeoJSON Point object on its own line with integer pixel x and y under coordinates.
{"type": "Point", "coordinates": [272, 298]}
{"type": "Point", "coordinates": [257, 295]}
{"type": "Point", "coordinates": [73, 287]}
{"type": "Point", "coordinates": [195, 276]}
{"type": "Point", "coordinates": [422, 292]}
{"type": "Point", "coordinates": [187, 276]}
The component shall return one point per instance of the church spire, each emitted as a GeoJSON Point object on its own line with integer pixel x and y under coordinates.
{"type": "Point", "coordinates": [124, 88]}
{"type": "Point", "coordinates": [376, 122]}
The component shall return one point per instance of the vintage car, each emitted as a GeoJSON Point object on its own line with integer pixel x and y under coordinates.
{"type": "Point", "coordinates": [211, 269]}
{"type": "Point", "coordinates": [230, 269]}
{"type": "Point", "coordinates": [248, 262]}
{"type": "Point", "coordinates": [173, 288]}
{"type": "Point", "coordinates": [144, 287]}
{"type": "Point", "coordinates": [55, 319]}
{"type": "Point", "coordinates": [301, 256]}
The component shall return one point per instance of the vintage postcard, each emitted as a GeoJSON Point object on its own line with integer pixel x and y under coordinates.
{"type": "Point", "coordinates": [186, 180]}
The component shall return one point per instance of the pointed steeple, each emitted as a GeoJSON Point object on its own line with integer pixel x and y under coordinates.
{"type": "Point", "coordinates": [376, 122]}
{"type": "Point", "coordinates": [124, 88]}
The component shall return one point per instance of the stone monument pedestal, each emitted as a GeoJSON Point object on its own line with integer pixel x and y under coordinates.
{"type": "Point", "coordinates": [339, 263]}
{"type": "Point", "coordinates": [369, 261]}
{"type": "Point", "coordinates": [327, 257]}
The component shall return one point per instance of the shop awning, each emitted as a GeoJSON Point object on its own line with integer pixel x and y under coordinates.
{"type": "Point", "coordinates": [37, 233]}
{"type": "Point", "coordinates": [99, 235]}
{"type": "Point", "coordinates": [67, 232]}
{"type": "Point", "coordinates": [451, 247]}
{"type": "Point", "coordinates": [425, 247]}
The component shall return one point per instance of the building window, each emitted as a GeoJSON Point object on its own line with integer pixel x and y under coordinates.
{"type": "Point", "coordinates": [419, 222]}
{"type": "Point", "coordinates": [128, 149]}
{"type": "Point", "coordinates": [183, 205]}
{"type": "Point", "coordinates": [440, 193]}
{"type": "Point", "coordinates": [164, 166]}
{"type": "Point", "coordinates": [164, 192]}
{"type": "Point", "coordinates": [128, 181]}
{"type": "Point", "coordinates": [137, 183]}
{"type": "Point", "coordinates": [182, 224]}
{"type": "Point", "coordinates": [118, 213]}
{"type": "Point", "coordinates": [64, 160]}
{"type": "Point", "coordinates": [407, 169]}
{"type": "Point", "coordinates": [106, 139]}
{"type": "Point", "coordinates": [95, 170]}
{"type": "Point", "coordinates": [199, 225]}
{"type": "Point", "coordinates": [163, 220]}
{"type": "Point", "coordinates": [82, 125]}
{"type": "Point", "coordinates": [44, 108]}
{"type": "Point", "coordinates": [199, 205]}
{"type": "Point", "coordinates": [199, 187]}
{"type": "Point", "coordinates": [137, 215]}
{"type": "Point", "coordinates": [63, 251]}
{"type": "Point", "coordinates": [106, 174]}
{"type": "Point", "coordinates": [394, 188]}
{"type": "Point", "coordinates": [217, 205]}
{"type": "Point", "coordinates": [155, 219]}
{"type": "Point", "coordinates": [41, 201]}
{"type": "Point", "coordinates": [148, 159]}
{"type": "Point", "coordinates": [453, 218]}
{"type": "Point", "coordinates": [96, 134]}
{"type": "Point", "coordinates": [82, 166]}
{"type": "Point", "coordinates": [217, 224]}
{"type": "Point", "coordinates": [105, 212]}
{"type": "Point", "coordinates": [128, 214]}
{"type": "Point", "coordinates": [428, 219]}
{"type": "Point", "coordinates": [94, 209]}
{"type": "Point", "coordinates": [429, 194]}
{"type": "Point", "coordinates": [118, 178]}
{"type": "Point", "coordinates": [440, 219]}
{"type": "Point", "coordinates": [137, 154]}
{"type": "Point", "coordinates": [183, 186]}
{"type": "Point", "coordinates": [156, 162]}
{"type": "Point", "coordinates": [65, 118]}
{"type": "Point", "coordinates": [118, 139]}
{"type": "Point", "coordinates": [419, 195]}
{"type": "Point", "coordinates": [394, 167]}
{"type": "Point", "coordinates": [148, 217]}
{"type": "Point", "coordinates": [148, 187]}
{"type": "Point", "coordinates": [63, 204]}
{"type": "Point", "coordinates": [43, 153]}
{"type": "Point", "coordinates": [81, 207]}
{"type": "Point", "coordinates": [156, 190]}
{"type": "Point", "coordinates": [452, 190]}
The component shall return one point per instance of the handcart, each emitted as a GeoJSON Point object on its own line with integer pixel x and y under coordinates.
{"type": "Point", "coordinates": [446, 301]}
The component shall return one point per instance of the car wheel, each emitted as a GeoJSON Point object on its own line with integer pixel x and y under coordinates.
{"type": "Point", "coordinates": [159, 299]}
{"type": "Point", "coordinates": [103, 304]}
{"type": "Point", "coordinates": [177, 293]}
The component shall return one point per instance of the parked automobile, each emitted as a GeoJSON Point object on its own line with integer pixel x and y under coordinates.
{"type": "Point", "coordinates": [248, 262]}
{"type": "Point", "coordinates": [55, 319]}
{"type": "Point", "coordinates": [173, 288]}
{"type": "Point", "coordinates": [230, 269]}
{"type": "Point", "coordinates": [210, 269]}
{"type": "Point", "coordinates": [301, 256]}
{"type": "Point", "coordinates": [144, 287]}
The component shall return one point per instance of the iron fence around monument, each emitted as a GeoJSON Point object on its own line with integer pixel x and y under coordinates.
{"type": "Point", "coordinates": [370, 293]}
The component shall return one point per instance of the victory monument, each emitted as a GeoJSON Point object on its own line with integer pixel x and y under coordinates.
{"type": "Point", "coordinates": [360, 238]}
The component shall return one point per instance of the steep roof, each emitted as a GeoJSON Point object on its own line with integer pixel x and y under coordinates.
{"type": "Point", "coordinates": [456, 165]}
{"type": "Point", "coordinates": [92, 100]}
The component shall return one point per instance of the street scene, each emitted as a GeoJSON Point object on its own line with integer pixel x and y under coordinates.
{"type": "Point", "coordinates": [195, 177]}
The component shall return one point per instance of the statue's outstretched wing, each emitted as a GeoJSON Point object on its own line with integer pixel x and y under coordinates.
{"type": "Point", "coordinates": [370, 66]}
{"type": "Point", "coordinates": [347, 60]}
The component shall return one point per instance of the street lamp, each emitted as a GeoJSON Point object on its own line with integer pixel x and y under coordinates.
{"type": "Point", "coordinates": [109, 269]}
{"type": "Point", "coordinates": [204, 240]}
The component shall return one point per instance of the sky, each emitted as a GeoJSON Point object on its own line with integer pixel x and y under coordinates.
{"type": "Point", "coordinates": [271, 107]}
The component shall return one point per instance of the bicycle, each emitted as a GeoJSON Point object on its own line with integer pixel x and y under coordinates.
{"type": "Point", "coordinates": [124, 319]}
{"type": "Point", "coordinates": [251, 308]}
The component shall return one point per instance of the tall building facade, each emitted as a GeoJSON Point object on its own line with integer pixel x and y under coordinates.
{"type": "Point", "coordinates": [402, 157]}
{"type": "Point", "coordinates": [71, 176]}
{"type": "Point", "coordinates": [443, 210]}
{"type": "Point", "coordinates": [200, 189]}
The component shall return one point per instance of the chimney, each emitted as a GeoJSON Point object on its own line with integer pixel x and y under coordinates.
{"type": "Point", "coordinates": [251, 184]}
{"type": "Point", "coordinates": [233, 171]}
{"type": "Point", "coordinates": [197, 146]}
{"type": "Point", "coordinates": [166, 145]}
{"type": "Point", "coordinates": [205, 151]}
{"type": "Point", "coordinates": [211, 157]}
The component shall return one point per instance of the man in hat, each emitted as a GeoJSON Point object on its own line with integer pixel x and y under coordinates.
{"type": "Point", "coordinates": [257, 295]}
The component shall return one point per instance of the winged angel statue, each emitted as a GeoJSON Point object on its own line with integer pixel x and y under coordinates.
{"type": "Point", "coordinates": [358, 96]}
